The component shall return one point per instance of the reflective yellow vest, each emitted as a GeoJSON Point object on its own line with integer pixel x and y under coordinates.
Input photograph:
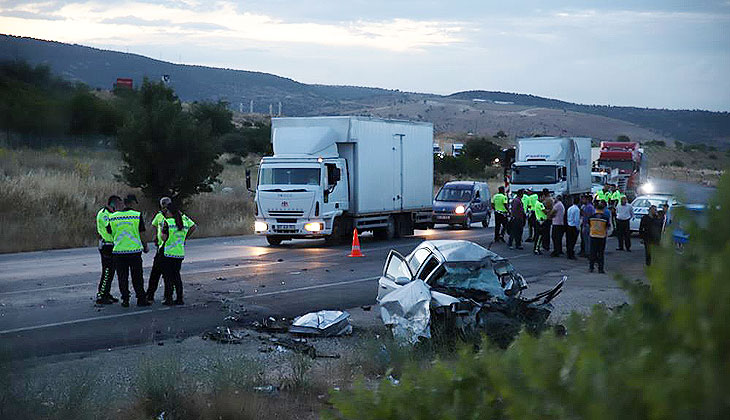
{"type": "Point", "coordinates": [499, 201]}
{"type": "Point", "coordinates": [102, 221]}
{"type": "Point", "coordinates": [175, 244]}
{"type": "Point", "coordinates": [540, 211]}
{"type": "Point", "coordinates": [125, 231]}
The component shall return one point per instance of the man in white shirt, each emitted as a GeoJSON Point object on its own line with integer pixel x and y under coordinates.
{"type": "Point", "coordinates": [624, 213]}
{"type": "Point", "coordinates": [573, 228]}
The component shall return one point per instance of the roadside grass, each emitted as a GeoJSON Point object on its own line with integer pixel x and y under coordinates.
{"type": "Point", "coordinates": [49, 198]}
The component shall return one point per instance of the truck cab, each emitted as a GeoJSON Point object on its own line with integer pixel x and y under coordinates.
{"type": "Point", "coordinates": [300, 197]}
{"type": "Point", "coordinates": [537, 175]}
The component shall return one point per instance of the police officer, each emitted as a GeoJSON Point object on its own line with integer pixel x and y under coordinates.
{"type": "Point", "coordinates": [499, 204]}
{"type": "Point", "coordinates": [106, 245]}
{"type": "Point", "coordinates": [176, 230]}
{"type": "Point", "coordinates": [540, 224]}
{"type": "Point", "coordinates": [127, 229]}
{"type": "Point", "coordinates": [157, 223]}
{"type": "Point", "coordinates": [529, 199]}
{"type": "Point", "coordinates": [650, 231]}
{"type": "Point", "coordinates": [518, 214]}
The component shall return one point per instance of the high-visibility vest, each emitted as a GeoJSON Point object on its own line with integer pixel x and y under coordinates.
{"type": "Point", "coordinates": [540, 211]}
{"type": "Point", "coordinates": [599, 225]}
{"type": "Point", "coordinates": [600, 195]}
{"type": "Point", "coordinates": [499, 201]}
{"type": "Point", "coordinates": [533, 199]}
{"type": "Point", "coordinates": [175, 244]}
{"type": "Point", "coordinates": [526, 203]}
{"type": "Point", "coordinates": [125, 231]}
{"type": "Point", "coordinates": [617, 195]}
{"type": "Point", "coordinates": [159, 222]}
{"type": "Point", "coordinates": [102, 221]}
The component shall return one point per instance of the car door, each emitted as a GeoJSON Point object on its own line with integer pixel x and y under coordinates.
{"type": "Point", "coordinates": [396, 274]}
{"type": "Point", "coordinates": [477, 204]}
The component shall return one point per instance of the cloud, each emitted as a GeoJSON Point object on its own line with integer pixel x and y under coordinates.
{"type": "Point", "coordinates": [135, 21]}
{"type": "Point", "coordinates": [24, 14]}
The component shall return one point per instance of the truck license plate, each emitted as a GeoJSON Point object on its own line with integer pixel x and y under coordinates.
{"type": "Point", "coordinates": [288, 227]}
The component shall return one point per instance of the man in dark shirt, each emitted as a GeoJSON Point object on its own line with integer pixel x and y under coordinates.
{"type": "Point", "coordinates": [650, 231]}
{"type": "Point", "coordinates": [517, 220]}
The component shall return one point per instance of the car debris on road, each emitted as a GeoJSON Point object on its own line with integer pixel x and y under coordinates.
{"type": "Point", "coordinates": [225, 335]}
{"type": "Point", "coordinates": [457, 285]}
{"type": "Point", "coordinates": [322, 323]}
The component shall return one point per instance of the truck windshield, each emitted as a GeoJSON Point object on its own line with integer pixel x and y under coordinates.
{"type": "Point", "coordinates": [622, 165]}
{"type": "Point", "coordinates": [454, 194]}
{"type": "Point", "coordinates": [289, 176]}
{"type": "Point", "coordinates": [534, 174]}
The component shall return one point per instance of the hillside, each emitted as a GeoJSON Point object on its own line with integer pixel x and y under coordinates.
{"type": "Point", "coordinates": [480, 112]}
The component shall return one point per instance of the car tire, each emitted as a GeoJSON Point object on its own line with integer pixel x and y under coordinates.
{"type": "Point", "coordinates": [274, 240]}
{"type": "Point", "coordinates": [485, 223]}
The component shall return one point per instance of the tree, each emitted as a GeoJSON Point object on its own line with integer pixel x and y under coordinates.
{"type": "Point", "coordinates": [623, 138]}
{"type": "Point", "coordinates": [665, 355]}
{"type": "Point", "coordinates": [216, 115]}
{"type": "Point", "coordinates": [164, 149]}
{"type": "Point", "coordinates": [482, 150]}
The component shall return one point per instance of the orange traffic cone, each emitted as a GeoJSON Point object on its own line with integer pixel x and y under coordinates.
{"type": "Point", "coordinates": [355, 245]}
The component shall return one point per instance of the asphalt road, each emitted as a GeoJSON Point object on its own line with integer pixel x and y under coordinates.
{"type": "Point", "coordinates": [47, 298]}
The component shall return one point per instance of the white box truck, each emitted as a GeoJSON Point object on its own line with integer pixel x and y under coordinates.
{"type": "Point", "coordinates": [560, 164]}
{"type": "Point", "coordinates": [329, 175]}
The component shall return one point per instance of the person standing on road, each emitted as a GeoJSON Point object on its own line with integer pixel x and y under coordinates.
{"type": "Point", "coordinates": [586, 213]}
{"type": "Point", "coordinates": [529, 199]}
{"type": "Point", "coordinates": [175, 232]}
{"type": "Point", "coordinates": [106, 246]}
{"type": "Point", "coordinates": [624, 213]}
{"type": "Point", "coordinates": [157, 222]}
{"type": "Point", "coordinates": [573, 228]}
{"type": "Point", "coordinates": [517, 221]}
{"type": "Point", "coordinates": [557, 215]}
{"type": "Point", "coordinates": [599, 225]}
{"type": "Point", "coordinates": [499, 204]}
{"type": "Point", "coordinates": [127, 228]}
{"type": "Point", "coordinates": [540, 223]}
{"type": "Point", "coordinates": [547, 201]}
{"type": "Point", "coordinates": [650, 231]}
{"type": "Point", "coordinates": [614, 199]}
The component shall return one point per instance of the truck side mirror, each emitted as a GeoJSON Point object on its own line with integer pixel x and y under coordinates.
{"type": "Point", "coordinates": [333, 175]}
{"type": "Point", "coordinates": [248, 179]}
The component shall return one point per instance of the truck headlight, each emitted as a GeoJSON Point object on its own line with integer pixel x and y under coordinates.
{"type": "Point", "coordinates": [314, 227]}
{"type": "Point", "coordinates": [459, 210]}
{"type": "Point", "coordinates": [260, 226]}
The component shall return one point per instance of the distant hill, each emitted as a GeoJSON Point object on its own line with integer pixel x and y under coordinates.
{"type": "Point", "coordinates": [476, 111]}
{"type": "Point", "coordinates": [687, 125]}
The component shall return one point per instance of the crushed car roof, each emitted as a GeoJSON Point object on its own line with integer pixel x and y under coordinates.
{"type": "Point", "coordinates": [459, 250]}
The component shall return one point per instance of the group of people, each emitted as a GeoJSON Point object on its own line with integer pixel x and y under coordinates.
{"type": "Point", "coordinates": [588, 218]}
{"type": "Point", "coordinates": [122, 233]}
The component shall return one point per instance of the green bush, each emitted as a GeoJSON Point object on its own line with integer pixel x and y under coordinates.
{"type": "Point", "coordinates": [666, 355]}
{"type": "Point", "coordinates": [677, 163]}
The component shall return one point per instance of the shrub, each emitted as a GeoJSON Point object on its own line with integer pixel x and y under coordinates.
{"type": "Point", "coordinates": [677, 163]}
{"type": "Point", "coordinates": [667, 355]}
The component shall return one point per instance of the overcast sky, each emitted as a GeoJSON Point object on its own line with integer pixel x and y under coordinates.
{"type": "Point", "coordinates": [654, 53]}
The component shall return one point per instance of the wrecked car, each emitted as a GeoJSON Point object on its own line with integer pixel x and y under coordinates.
{"type": "Point", "coordinates": [456, 285]}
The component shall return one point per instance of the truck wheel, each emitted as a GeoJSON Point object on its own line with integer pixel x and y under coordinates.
{"type": "Point", "coordinates": [467, 222]}
{"type": "Point", "coordinates": [336, 237]}
{"type": "Point", "coordinates": [386, 232]}
{"type": "Point", "coordinates": [274, 240]}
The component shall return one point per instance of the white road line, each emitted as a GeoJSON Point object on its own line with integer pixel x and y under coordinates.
{"type": "Point", "coordinates": [317, 286]}
{"type": "Point", "coordinates": [78, 321]}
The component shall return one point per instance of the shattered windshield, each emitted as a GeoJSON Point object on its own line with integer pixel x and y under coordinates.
{"type": "Point", "coordinates": [472, 277]}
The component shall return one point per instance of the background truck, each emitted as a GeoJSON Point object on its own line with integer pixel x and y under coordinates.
{"type": "Point", "coordinates": [331, 174]}
{"type": "Point", "coordinates": [630, 161]}
{"type": "Point", "coordinates": [560, 164]}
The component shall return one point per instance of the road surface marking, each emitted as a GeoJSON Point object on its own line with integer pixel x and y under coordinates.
{"type": "Point", "coordinates": [45, 288]}
{"type": "Point", "coordinates": [316, 286]}
{"type": "Point", "coordinates": [78, 321]}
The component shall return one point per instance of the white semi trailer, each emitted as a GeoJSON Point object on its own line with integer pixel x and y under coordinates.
{"type": "Point", "coordinates": [560, 164]}
{"type": "Point", "coordinates": [329, 175]}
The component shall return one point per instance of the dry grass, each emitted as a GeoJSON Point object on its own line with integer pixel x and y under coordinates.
{"type": "Point", "coordinates": [49, 199]}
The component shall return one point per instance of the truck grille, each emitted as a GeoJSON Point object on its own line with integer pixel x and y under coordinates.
{"type": "Point", "coordinates": [286, 213]}
{"type": "Point", "coordinates": [287, 220]}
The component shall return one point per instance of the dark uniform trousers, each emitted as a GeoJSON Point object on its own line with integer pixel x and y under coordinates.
{"type": "Point", "coordinates": [572, 239]}
{"type": "Point", "coordinates": [598, 246]}
{"type": "Point", "coordinates": [171, 274]}
{"type": "Point", "coordinates": [107, 270]}
{"type": "Point", "coordinates": [500, 225]}
{"type": "Point", "coordinates": [155, 273]}
{"type": "Point", "coordinates": [126, 264]}
{"type": "Point", "coordinates": [515, 234]}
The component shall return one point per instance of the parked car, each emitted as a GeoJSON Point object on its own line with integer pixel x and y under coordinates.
{"type": "Point", "coordinates": [642, 203]}
{"type": "Point", "coordinates": [460, 285]}
{"type": "Point", "coordinates": [463, 203]}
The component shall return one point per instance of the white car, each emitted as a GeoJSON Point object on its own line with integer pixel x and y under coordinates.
{"type": "Point", "coordinates": [642, 203]}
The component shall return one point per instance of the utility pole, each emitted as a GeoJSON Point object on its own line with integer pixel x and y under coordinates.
{"type": "Point", "coordinates": [279, 109]}
{"type": "Point", "coordinates": [250, 107]}
{"type": "Point", "coordinates": [271, 110]}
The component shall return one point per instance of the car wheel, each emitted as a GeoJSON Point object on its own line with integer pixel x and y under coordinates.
{"type": "Point", "coordinates": [485, 223]}
{"type": "Point", "coordinates": [467, 222]}
{"type": "Point", "coordinates": [273, 240]}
